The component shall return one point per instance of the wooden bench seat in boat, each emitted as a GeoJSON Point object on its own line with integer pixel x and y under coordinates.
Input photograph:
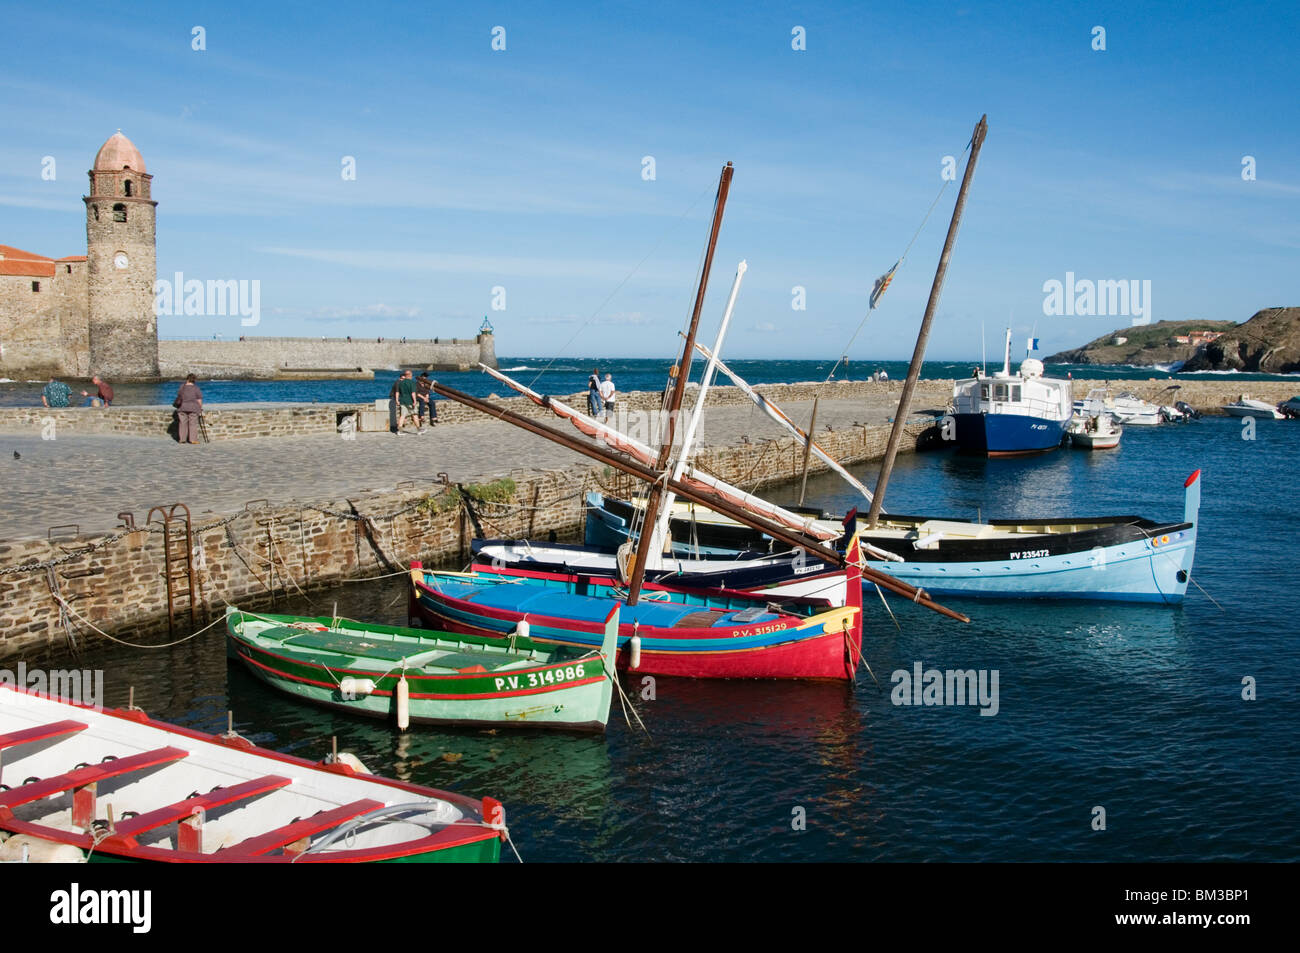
{"type": "Point", "coordinates": [299, 830]}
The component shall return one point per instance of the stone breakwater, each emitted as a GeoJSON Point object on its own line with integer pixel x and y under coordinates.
{"type": "Point", "coordinates": [269, 358]}
{"type": "Point", "coordinates": [235, 421]}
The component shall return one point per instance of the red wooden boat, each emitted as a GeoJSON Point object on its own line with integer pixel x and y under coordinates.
{"type": "Point", "coordinates": [716, 633]}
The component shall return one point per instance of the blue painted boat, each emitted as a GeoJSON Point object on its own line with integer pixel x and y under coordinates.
{"type": "Point", "coordinates": [1119, 558]}
{"type": "Point", "coordinates": [1010, 414]}
{"type": "Point", "coordinates": [671, 630]}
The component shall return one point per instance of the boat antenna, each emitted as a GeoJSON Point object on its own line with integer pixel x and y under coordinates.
{"type": "Point", "coordinates": [923, 336]}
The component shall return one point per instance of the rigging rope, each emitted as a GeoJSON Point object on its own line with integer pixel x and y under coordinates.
{"type": "Point", "coordinates": [844, 356]}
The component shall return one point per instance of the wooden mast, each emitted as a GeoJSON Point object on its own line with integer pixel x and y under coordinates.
{"type": "Point", "coordinates": [923, 336]}
{"type": "Point", "coordinates": [690, 492]}
{"type": "Point", "coordinates": [679, 390]}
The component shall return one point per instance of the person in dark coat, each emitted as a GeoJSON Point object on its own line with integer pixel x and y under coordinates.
{"type": "Point", "coordinates": [189, 405]}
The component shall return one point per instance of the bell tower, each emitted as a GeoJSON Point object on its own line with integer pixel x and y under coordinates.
{"type": "Point", "coordinates": [121, 264]}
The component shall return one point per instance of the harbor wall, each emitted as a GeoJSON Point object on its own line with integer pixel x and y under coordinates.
{"type": "Point", "coordinates": [277, 357]}
{"type": "Point", "coordinates": [55, 593]}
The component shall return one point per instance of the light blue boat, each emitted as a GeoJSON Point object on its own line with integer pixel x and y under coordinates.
{"type": "Point", "coordinates": [1119, 558]}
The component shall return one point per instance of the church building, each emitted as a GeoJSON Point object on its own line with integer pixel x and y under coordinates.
{"type": "Point", "coordinates": [93, 313]}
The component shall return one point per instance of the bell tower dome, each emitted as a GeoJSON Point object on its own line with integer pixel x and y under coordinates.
{"type": "Point", "coordinates": [121, 262]}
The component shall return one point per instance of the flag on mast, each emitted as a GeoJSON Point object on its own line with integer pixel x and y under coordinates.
{"type": "Point", "coordinates": [882, 283]}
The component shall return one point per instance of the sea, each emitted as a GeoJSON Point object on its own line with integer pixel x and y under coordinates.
{"type": "Point", "coordinates": [569, 376]}
{"type": "Point", "coordinates": [1120, 733]}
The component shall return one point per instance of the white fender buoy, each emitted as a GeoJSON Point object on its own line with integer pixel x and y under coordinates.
{"type": "Point", "coordinates": [24, 848]}
{"type": "Point", "coordinates": [634, 652]}
{"type": "Point", "coordinates": [522, 629]}
{"type": "Point", "coordinates": [353, 762]}
{"type": "Point", "coordinates": [403, 704]}
{"type": "Point", "coordinates": [350, 687]}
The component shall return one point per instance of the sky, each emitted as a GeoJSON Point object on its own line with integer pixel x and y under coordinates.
{"type": "Point", "coordinates": [1170, 156]}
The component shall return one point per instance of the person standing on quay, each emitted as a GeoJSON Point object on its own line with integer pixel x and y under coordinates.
{"type": "Point", "coordinates": [607, 396]}
{"type": "Point", "coordinates": [189, 405]}
{"type": "Point", "coordinates": [55, 393]}
{"type": "Point", "coordinates": [593, 393]}
{"type": "Point", "coordinates": [424, 400]}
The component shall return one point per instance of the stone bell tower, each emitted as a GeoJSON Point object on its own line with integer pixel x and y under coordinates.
{"type": "Point", "coordinates": [121, 264]}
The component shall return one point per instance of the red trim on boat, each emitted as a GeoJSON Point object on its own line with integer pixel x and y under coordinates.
{"type": "Point", "coordinates": [81, 777]}
{"type": "Point", "coordinates": [434, 695]}
{"type": "Point", "coordinates": [126, 831]}
{"type": "Point", "coordinates": [298, 830]}
{"type": "Point", "coordinates": [56, 729]}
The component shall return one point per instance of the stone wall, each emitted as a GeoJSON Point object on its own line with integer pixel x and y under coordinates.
{"type": "Point", "coordinates": [271, 357]}
{"type": "Point", "coordinates": [44, 332]}
{"type": "Point", "coordinates": [223, 423]}
{"type": "Point", "coordinates": [252, 558]}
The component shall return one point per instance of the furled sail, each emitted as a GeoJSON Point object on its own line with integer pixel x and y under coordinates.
{"type": "Point", "coordinates": [642, 453]}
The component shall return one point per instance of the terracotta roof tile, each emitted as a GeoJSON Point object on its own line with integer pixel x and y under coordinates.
{"type": "Point", "coordinates": [15, 261]}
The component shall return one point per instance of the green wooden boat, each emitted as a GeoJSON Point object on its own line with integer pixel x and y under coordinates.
{"type": "Point", "coordinates": [428, 677]}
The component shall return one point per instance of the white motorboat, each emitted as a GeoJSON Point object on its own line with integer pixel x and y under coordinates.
{"type": "Point", "coordinates": [1247, 407]}
{"type": "Point", "coordinates": [1099, 432]}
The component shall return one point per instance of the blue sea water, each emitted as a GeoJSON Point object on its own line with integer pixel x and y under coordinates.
{"type": "Point", "coordinates": [1135, 710]}
{"type": "Point", "coordinates": [569, 375]}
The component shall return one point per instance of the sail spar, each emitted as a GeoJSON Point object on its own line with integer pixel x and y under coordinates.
{"type": "Point", "coordinates": [691, 476]}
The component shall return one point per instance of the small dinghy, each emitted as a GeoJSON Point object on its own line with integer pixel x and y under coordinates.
{"type": "Point", "coordinates": [1247, 407]}
{"type": "Point", "coordinates": [1095, 432]}
{"type": "Point", "coordinates": [426, 676]}
{"type": "Point", "coordinates": [118, 786]}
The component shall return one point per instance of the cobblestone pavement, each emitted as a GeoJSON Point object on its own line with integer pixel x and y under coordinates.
{"type": "Point", "coordinates": [87, 480]}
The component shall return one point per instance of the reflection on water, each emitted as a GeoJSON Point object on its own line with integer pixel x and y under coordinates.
{"type": "Point", "coordinates": [1134, 708]}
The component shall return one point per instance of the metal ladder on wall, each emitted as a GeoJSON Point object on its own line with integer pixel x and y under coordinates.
{"type": "Point", "coordinates": [178, 567]}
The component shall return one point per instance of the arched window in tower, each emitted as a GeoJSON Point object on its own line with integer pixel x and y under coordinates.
{"type": "Point", "coordinates": [119, 212]}
{"type": "Point", "coordinates": [127, 185]}
{"type": "Point", "coordinates": [96, 211]}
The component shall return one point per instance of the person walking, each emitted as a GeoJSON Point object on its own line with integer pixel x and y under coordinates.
{"type": "Point", "coordinates": [607, 395]}
{"type": "Point", "coordinates": [103, 396]}
{"type": "Point", "coordinates": [593, 393]}
{"type": "Point", "coordinates": [406, 401]}
{"type": "Point", "coordinates": [55, 393]}
{"type": "Point", "coordinates": [189, 405]}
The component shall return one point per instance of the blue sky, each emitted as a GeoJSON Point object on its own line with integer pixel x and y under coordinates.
{"type": "Point", "coordinates": [522, 168]}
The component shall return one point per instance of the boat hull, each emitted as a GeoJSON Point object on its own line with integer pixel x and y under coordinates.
{"type": "Point", "coordinates": [825, 645]}
{"type": "Point", "coordinates": [792, 576]}
{"type": "Point", "coordinates": [1006, 435]}
{"type": "Point", "coordinates": [1121, 558]}
{"type": "Point", "coordinates": [580, 705]}
{"type": "Point", "coordinates": [1145, 570]}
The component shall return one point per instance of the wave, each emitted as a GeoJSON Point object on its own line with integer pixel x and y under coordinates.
{"type": "Point", "coordinates": [521, 367]}
{"type": "Point", "coordinates": [7, 380]}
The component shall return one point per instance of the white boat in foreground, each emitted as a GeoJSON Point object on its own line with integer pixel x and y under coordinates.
{"type": "Point", "coordinates": [120, 786]}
